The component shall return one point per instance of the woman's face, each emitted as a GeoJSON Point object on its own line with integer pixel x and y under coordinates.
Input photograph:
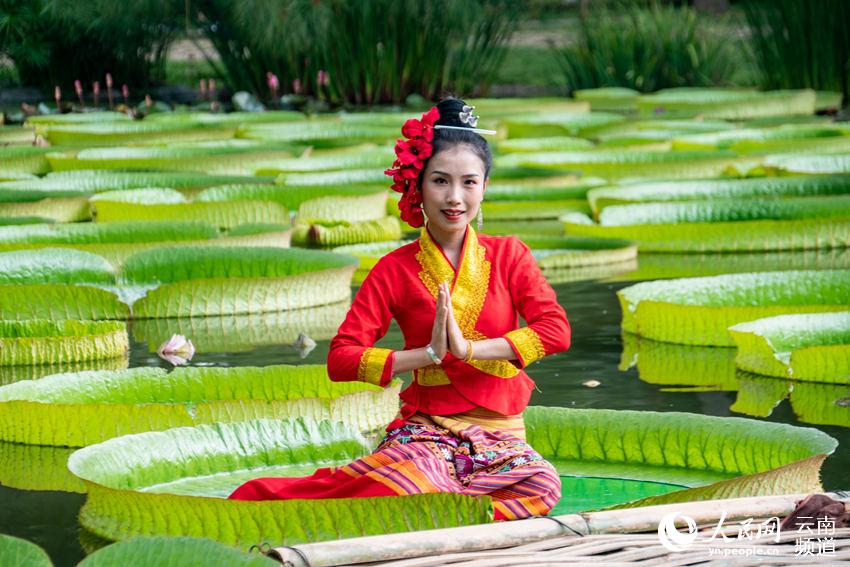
{"type": "Point", "coordinates": [453, 186]}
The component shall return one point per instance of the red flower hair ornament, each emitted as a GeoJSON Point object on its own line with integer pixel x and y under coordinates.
{"type": "Point", "coordinates": [411, 154]}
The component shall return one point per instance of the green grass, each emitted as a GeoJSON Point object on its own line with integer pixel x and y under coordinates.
{"type": "Point", "coordinates": [529, 65]}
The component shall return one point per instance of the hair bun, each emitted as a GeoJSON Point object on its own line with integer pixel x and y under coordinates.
{"type": "Point", "coordinates": [450, 109]}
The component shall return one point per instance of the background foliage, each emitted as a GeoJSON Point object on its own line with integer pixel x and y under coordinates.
{"type": "Point", "coordinates": [646, 46]}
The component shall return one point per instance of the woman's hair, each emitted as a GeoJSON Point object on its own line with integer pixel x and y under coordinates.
{"type": "Point", "coordinates": [448, 138]}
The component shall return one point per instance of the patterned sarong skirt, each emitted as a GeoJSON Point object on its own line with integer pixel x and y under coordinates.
{"type": "Point", "coordinates": [470, 453]}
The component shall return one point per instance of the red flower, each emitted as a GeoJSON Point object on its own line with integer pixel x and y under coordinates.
{"type": "Point", "coordinates": [410, 159]}
{"type": "Point", "coordinates": [413, 152]}
{"type": "Point", "coordinates": [411, 208]}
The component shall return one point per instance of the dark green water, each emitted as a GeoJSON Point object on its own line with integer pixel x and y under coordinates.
{"type": "Point", "coordinates": [49, 518]}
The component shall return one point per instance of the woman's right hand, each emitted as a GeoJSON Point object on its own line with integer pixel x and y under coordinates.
{"type": "Point", "coordinates": [439, 339]}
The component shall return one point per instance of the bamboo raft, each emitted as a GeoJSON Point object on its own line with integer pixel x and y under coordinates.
{"type": "Point", "coordinates": [615, 538]}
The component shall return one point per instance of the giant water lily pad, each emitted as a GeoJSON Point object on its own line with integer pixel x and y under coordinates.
{"type": "Point", "coordinates": [83, 183]}
{"type": "Point", "coordinates": [79, 409]}
{"type": "Point", "coordinates": [341, 233]}
{"type": "Point", "coordinates": [232, 280]}
{"type": "Point", "coordinates": [136, 484]}
{"type": "Point", "coordinates": [716, 457]}
{"type": "Point", "coordinates": [723, 225]}
{"type": "Point", "coordinates": [699, 311]}
{"type": "Point", "coordinates": [813, 347]}
{"type": "Point", "coordinates": [17, 551]}
{"type": "Point", "coordinates": [170, 205]}
{"type": "Point", "coordinates": [616, 164]}
{"type": "Point", "coordinates": [671, 265]}
{"type": "Point", "coordinates": [238, 333]}
{"type": "Point", "coordinates": [709, 189]}
{"type": "Point", "coordinates": [139, 484]}
{"type": "Point", "coordinates": [185, 551]}
{"type": "Point", "coordinates": [52, 342]}
{"type": "Point", "coordinates": [725, 103]}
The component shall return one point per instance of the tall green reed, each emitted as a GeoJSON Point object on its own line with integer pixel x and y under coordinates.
{"type": "Point", "coordinates": [801, 43]}
{"type": "Point", "coordinates": [55, 42]}
{"type": "Point", "coordinates": [371, 51]}
{"type": "Point", "coordinates": [647, 46]}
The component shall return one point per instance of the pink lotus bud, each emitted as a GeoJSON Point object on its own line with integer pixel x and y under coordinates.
{"type": "Point", "coordinates": [57, 94]}
{"type": "Point", "coordinates": [78, 87]}
{"type": "Point", "coordinates": [323, 78]}
{"type": "Point", "coordinates": [148, 101]}
{"type": "Point", "coordinates": [177, 350]}
{"type": "Point", "coordinates": [109, 80]}
{"type": "Point", "coordinates": [296, 86]}
{"type": "Point", "coordinates": [125, 92]}
{"type": "Point", "coordinates": [273, 81]}
{"type": "Point", "coordinates": [95, 88]}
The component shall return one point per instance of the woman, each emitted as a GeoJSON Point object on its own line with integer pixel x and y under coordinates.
{"type": "Point", "coordinates": [457, 296]}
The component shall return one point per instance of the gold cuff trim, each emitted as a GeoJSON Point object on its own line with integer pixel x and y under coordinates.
{"type": "Point", "coordinates": [372, 363]}
{"type": "Point", "coordinates": [528, 343]}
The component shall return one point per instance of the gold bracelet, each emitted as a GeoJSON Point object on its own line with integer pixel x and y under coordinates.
{"type": "Point", "coordinates": [468, 356]}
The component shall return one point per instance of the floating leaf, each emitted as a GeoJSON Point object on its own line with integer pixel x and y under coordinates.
{"type": "Point", "coordinates": [50, 265]}
{"type": "Point", "coordinates": [812, 347]}
{"type": "Point", "coordinates": [340, 233]}
{"type": "Point", "coordinates": [238, 333]}
{"type": "Point", "coordinates": [717, 236]}
{"type": "Point", "coordinates": [566, 252]}
{"type": "Point", "coordinates": [727, 104]}
{"type": "Point", "coordinates": [60, 301]}
{"type": "Point", "coordinates": [700, 310]}
{"type": "Point", "coordinates": [710, 189]}
{"type": "Point", "coordinates": [345, 208]}
{"type": "Point", "coordinates": [54, 342]}
{"type": "Point", "coordinates": [80, 409]}
{"type": "Point", "coordinates": [138, 484]}
{"type": "Point", "coordinates": [17, 551]}
{"type": "Point", "coordinates": [158, 551]}
{"type": "Point", "coordinates": [231, 280]}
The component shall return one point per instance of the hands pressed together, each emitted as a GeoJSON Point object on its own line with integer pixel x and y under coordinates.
{"type": "Point", "coordinates": [446, 335]}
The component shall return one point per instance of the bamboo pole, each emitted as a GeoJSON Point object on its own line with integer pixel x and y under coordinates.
{"type": "Point", "coordinates": [481, 537]}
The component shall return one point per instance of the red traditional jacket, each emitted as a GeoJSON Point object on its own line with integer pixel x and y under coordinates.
{"type": "Point", "coordinates": [497, 282]}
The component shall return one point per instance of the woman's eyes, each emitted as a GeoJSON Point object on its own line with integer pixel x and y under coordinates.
{"type": "Point", "coordinates": [469, 182]}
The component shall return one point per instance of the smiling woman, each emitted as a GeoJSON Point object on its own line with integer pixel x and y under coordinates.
{"type": "Point", "coordinates": [457, 297]}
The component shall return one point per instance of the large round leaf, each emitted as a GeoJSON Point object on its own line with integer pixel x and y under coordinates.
{"type": "Point", "coordinates": [51, 265]}
{"type": "Point", "coordinates": [231, 280]}
{"type": "Point", "coordinates": [80, 409]}
{"type": "Point", "coordinates": [565, 252]}
{"type": "Point", "coordinates": [289, 196]}
{"type": "Point", "coordinates": [54, 210]}
{"type": "Point", "coordinates": [237, 333]}
{"type": "Point", "coordinates": [17, 551]}
{"type": "Point", "coordinates": [340, 233]}
{"type": "Point", "coordinates": [351, 209]}
{"type": "Point", "coordinates": [710, 189]}
{"type": "Point", "coordinates": [718, 236]}
{"type": "Point", "coordinates": [700, 310]}
{"type": "Point", "coordinates": [812, 347]}
{"type": "Point", "coordinates": [138, 484]}
{"type": "Point", "coordinates": [183, 551]}
{"type": "Point", "coordinates": [60, 301]}
{"type": "Point", "coordinates": [728, 104]}
{"type": "Point", "coordinates": [53, 342]}
{"type": "Point", "coordinates": [717, 457]}
{"type": "Point", "coordinates": [616, 164]}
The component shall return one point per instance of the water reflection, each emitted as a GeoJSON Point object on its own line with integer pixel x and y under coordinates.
{"type": "Point", "coordinates": [582, 273]}
{"type": "Point", "coordinates": [9, 374]}
{"type": "Point", "coordinates": [240, 333]}
{"type": "Point", "coordinates": [36, 467]}
{"type": "Point", "coordinates": [682, 368]}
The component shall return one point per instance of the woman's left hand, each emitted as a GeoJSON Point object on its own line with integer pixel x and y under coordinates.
{"type": "Point", "coordinates": [457, 342]}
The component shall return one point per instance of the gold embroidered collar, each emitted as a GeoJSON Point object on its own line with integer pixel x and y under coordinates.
{"type": "Point", "coordinates": [470, 284]}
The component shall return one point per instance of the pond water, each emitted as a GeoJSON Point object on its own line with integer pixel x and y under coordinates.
{"type": "Point", "coordinates": [49, 517]}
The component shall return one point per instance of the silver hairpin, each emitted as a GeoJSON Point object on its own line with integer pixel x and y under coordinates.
{"type": "Point", "coordinates": [467, 117]}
